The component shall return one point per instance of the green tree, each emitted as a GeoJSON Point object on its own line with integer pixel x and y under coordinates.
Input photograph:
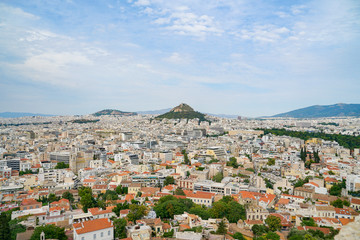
{"type": "Point", "coordinates": [218, 177]}
{"type": "Point", "coordinates": [179, 191]}
{"type": "Point", "coordinates": [4, 227]}
{"type": "Point", "coordinates": [221, 228]}
{"type": "Point", "coordinates": [120, 228]}
{"type": "Point", "coordinates": [272, 236]}
{"type": "Point", "coordinates": [186, 158]}
{"type": "Point", "coordinates": [335, 190]}
{"type": "Point", "coordinates": [169, 180]}
{"type": "Point", "coordinates": [69, 196]}
{"type": "Point", "coordinates": [229, 208]}
{"type": "Point", "coordinates": [136, 212]}
{"type": "Point", "coordinates": [120, 206]}
{"type": "Point", "coordinates": [201, 211]}
{"type": "Point", "coordinates": [268, 183]}
{"type": "Point", "coordinates": [86, 198]}
{"type": "Point", "coordinates": [51, 231]}
{"type": "Point", "coordinates": [239, 236]}
{"type": "Point", "coordinates": [232, 162]}
{"type": "Point", "coordinates": [273, 222]}
{"type": "Point", "coordinates": [259, 230]}
{"type": "Point", "coordinates": [308, 222]}
{"type": "Point", "coordinates": [271, 161]}
{"type": "Point", "coordinates": [121, 190]}
{"type": "Point", "coordinates": [169, 206]}
{"type": "Point", "coordinates": [61, 165]}
{"type": "Point", "coordinates": [169, 234]}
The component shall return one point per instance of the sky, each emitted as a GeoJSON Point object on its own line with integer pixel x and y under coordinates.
{"type": "Point", "coordinates": [244, 57]}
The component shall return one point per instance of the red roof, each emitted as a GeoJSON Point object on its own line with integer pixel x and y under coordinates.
{"type": "Point", "coordinates": [92, 225]}
{"type": "Point", "coordinates": [30, 201]}
{"type": "Point", "coordinates": [198, 194]}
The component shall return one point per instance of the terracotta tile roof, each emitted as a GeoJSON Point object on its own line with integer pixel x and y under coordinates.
{"type": "Point", "coordinates": [129, 197]}
{"type": "Point", "coordinates": [251, 195]}
{"type": "Point", "coordinates": [89, 180]}
{"type": "Point", "coordinates": [199, 194]}
{"type": "Point", "coordinates": [30, 201]}
{"type": "Point", "coordinates": [345, 211]}
{"type": "Point", "coordinates": [329, 179]}
{"type": "Point", "coordinates": [124, 211]}
{"type": "Point", "coordinates": [170, 187]}
{"type": "Point", "coordinates": [326, 231]}
{"type": "Point", "coordinates": [283, 201]}
{"type": "Point", "coordinates": [345, 221]}
{"type": "Point", "coordinates": [92, 225]}
{"type": "Point", "coordinates": [314, 184]}
{"type": "Point", "coordinates": [55, 209]}
{"type": "Point", "coordinates": [355, 201]}
{"type": "Point", "coordinates": [252, 222]}
{"type": "Point", "coordinates": [166, 226]}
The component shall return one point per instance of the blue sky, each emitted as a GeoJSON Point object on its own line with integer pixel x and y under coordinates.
{"type": "Point", "coordinates": [245, 57]}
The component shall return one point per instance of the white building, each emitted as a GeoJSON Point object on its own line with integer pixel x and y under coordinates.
{"type": "Point", "coordinates": [99, 229]}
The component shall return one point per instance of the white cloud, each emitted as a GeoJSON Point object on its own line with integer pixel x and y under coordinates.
{"type": "Point", "coordinates": [142, 3]}
{"type": "Point", "coordinates": [186, 23]}
{"type": "Point", "coordinates": [178, 58]}
{"type": "Point", "coordinates": [265, 33]}
{"type": "Point", "coordinates": [40, 35]}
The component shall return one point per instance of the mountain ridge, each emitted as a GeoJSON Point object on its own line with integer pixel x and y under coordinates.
{"type": "Point", "coordinates": [318, 111]}
{"type": "Point", "coordinates": [113, 112]}
{"type": "Point", "coordinates": [182, 111]}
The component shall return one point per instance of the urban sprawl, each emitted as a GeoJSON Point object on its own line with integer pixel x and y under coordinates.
{"type": "Point", "coordinates": [138, 177]}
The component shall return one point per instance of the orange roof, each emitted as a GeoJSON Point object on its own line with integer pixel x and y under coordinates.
{"type": "Point", "coordinates": [129, 197]}
{"type": "Point", "coordinates": [92, 225]}
{"type": "Point", "coordinates": [283, 201]}
{"type": "Point", "coordinates": [345, 221]}
{"type": "Point", "coordinates": [355, 201]}
{"type": "Point", "coordinates": [55, 209]}
{"type": "Point", "coordinates": [29, 201]}
{"type": "Point", "coordinates": [198, 194]}
{"type": "Point", "coordinates": [89, 180]}
{"type": "Point", "coordinates": [267, 198]}
{"type": "Point", "coordinates": [324, 230]}
{"type": "Point", "coordinates": [170, 187]}
{"type": "Point", "coordinates": [315, 184]}
{"type": "Point", "coordinates": [329, 179]}
{"type": "Point", "coordinates": [184, 226]}
{"type": "Point", "coordinates": [251, 195]}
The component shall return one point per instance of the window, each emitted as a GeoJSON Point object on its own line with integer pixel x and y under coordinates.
{"type": "Point", "coordinates": [95, 236]}
{"type": "Point", "coordinates": [82, 238]}
{"type": "Point", "coordinates": [102, 234]}
{"type": "Point", "coordinates": [109, 233]}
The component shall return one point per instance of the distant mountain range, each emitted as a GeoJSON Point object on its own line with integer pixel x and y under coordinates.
{"type": "Point", "coordinates": [154, 112]}
{"type": "Point", "coordinates": [22, 114]}
{"type": "Point", "coordinates": [183, 111]}
{"type": "Point", "coordinates": [114, 112]}
{"type": "Point", "coordinates": [319, 111]}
